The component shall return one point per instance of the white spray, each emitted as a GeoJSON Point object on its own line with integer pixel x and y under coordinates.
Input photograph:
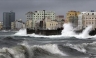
{"type": "Point", "coordinates": [68, 31]}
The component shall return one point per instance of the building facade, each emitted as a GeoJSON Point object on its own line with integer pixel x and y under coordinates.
{"type": "Point", "coordinates": [80, 22]}
{"type": "Point", "coordinates": [19, 24]}
{"type": "Point", "coordinates": [89, 18]}
{"type": "Point", "coordinates": [39, 15]}
{"type": "Point", "coordinates": [51, 25]}
{"type": "Point", "coordinates": [59, 17]}
{"type": "Point", "coordinates": [71, 14]}
{"type": "Point", "coordinates": [29, 23]}
{"type": "Point", "coordinates": [1, 25]}
{"type": "Point", "coordinates": [12, 25]}
{"type": "Point", "coordinates": [8, 17]}
{"type": "Point", "coordinates": [85, 19]}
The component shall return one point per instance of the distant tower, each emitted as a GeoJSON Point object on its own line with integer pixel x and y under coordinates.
{"type": "Point", "coordinates": [8, 17]}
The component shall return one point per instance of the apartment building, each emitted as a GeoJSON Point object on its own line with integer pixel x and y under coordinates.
{"type": "Point", "coordinates": [89, 18]}
{"type": "Point", "coordinates": [39, 15]}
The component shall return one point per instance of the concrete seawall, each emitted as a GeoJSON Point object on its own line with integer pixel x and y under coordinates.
{"type": "Point", "coordinates": [45, 32]}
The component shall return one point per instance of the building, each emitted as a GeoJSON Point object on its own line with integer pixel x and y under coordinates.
{"type": "Point", "coordinates": [29, 24]}
{"type": "Point", "coordinates": [8, 17]}
{"type": "Point", "coordinates": [46, 24]}
{"type": "Point", "coordinates": [12, 25]}
{"type": "Point", "coordinates": [80, 22]}
{"type": "Point", "coordinates": [60, 19]}
{"type": "Point", "coordinates": [74, 21]}
{"type": "Point", "coordinates": [71, 14]}
{"type": "Point", "coordinates": [39, 15]}
{"type": "Point", "coordinates": [1, 25]}
{"type": "Point", "coordinates": [89, 18]}
{"type": "Point", "coordinates": [19, 24]}
{"type": "Point", "coordinates": [51, 25]}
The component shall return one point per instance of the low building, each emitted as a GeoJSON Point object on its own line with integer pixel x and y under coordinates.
{"type": "Point", "coordinates": [19, 24]}
{"type": "Point", "coordinates": [29, 24]}
{"type": "Point", "coordinates": [1, 25]}
{"type": "Point", "coordinates": [51, 25]}
{"type": "Point", "coordinates": [12, 25]}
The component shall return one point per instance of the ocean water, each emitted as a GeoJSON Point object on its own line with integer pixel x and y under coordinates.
{"type": "Point", "coordinates": [67, 45]}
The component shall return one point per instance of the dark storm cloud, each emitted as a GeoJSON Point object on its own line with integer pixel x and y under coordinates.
{"type": "Point", "coordinates": [20, 7]}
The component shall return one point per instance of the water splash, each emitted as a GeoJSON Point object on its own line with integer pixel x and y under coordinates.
{"type": "Point", "coordinates": [21, 32]}
{"type": "Point", "coordinates": [68, 31]}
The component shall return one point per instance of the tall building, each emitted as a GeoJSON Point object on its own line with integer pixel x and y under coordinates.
{"type": "Point", "coordinates": [12, 16]}
{"type": "Point", "coordinates": [8, 17]}
{"type": "Point", "coordinates": [39, 15]}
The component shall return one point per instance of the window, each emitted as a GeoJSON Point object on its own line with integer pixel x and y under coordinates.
{"type": "Point", "coordinates": [88, 13]}
{"type": "Point", "coordinates": [92, 13]}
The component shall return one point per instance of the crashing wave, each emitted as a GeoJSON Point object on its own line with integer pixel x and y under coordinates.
{"type": "Point", "coordinates": [24, 50]}
{"type": "Point", "coordinates": [67, 32]}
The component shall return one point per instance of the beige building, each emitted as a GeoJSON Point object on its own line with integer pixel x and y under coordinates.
{"type": "Point", "coordinates": [29, 23]}
{"type": "Point", "coordinates": [47, 24]}
{"type": "Point", "coordinates": [1, 25]}
{"type": "Point", "coordinates": [51, 25]}
{"type": "Point", "coordinates": [12, 25]}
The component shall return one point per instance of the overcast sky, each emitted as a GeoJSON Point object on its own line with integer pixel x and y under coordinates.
{"type": "Point", "coordinates": [61, 7]}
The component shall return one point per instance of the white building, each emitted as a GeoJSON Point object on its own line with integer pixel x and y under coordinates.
{"type": "Point", "coordinates": [87, 18]}
{"type": "Point", "coordinates": [19, 24]}
{"type": "Point", "coordinates": [39, 15]}
{"type": "Point", "coordinates": [80, 20]}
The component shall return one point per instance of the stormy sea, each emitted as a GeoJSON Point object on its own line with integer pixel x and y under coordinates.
{"type": "Point", "coordinates": [19, 44]}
